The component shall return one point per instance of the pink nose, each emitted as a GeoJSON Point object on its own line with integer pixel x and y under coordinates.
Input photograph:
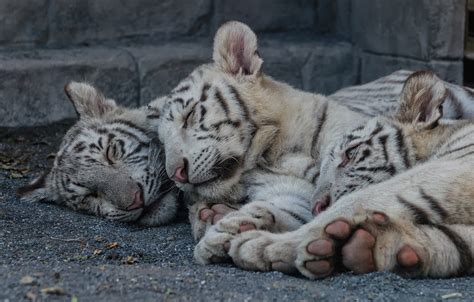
{"type": "Point", "coordinates": [180, 174]}
{"type": "Point", "coordinates": [321, 205]}
{"type": "Point", "coordinates": [137, 201]}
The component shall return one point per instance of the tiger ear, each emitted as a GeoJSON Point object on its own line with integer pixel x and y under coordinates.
{"type": "Point", "coordinates": [35, 191]}
{"type": "Point", "coordinates": [421, 101]}
{"type": "Point", "coordinates": [235, 49]}
{"type": "Point", "coordinates": [88, 101]}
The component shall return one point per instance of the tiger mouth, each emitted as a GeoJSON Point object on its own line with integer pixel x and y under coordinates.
{"type": "Point", "coordinates": [322, 205]}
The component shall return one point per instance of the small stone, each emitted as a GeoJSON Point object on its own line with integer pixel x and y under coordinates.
{"type": "Point", "coordinates": [55, 290]}
{"type": "Point", "coordinates": [112, 245]}
{"type": "Point", "coordinates": [31, 296]}
{"type": "Point", "coordinates": [28, 280]}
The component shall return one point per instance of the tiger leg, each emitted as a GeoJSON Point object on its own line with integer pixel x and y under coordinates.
{"type": "Point", "coordinates": [409, 250]}
{"type": "Point", "coordinates": [283, 213]}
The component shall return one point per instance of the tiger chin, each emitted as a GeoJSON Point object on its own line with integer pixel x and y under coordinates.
{"type": "Point", "coordinates": [108, 164]}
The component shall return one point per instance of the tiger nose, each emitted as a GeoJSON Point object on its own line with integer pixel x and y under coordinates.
{"type": "Point", "coordinates": [137, 201]}
{"type": "Point", "coordinates": [181, 174]}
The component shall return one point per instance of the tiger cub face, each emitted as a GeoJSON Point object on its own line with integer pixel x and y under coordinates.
{"type": "Point", "coordinates": [107, 164]}
{"type": "Point", "coordinates": [382, 147]}
{"type": "Point", "coordinates": [206, 123]}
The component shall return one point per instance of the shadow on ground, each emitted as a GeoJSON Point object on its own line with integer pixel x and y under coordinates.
{"type": "Point", "coordinates": [50, 253]}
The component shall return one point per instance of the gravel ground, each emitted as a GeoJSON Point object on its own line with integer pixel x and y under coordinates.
{"type": "Point", "coordinates": [51, 253]}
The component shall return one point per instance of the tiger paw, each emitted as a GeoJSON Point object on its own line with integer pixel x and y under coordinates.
{"type": "Point", "coordinates": [203, 215]}
{"type": "Point", "coordinates": [322, 250]}
{"type": "Point", "coordinates": [264, 251]}
{"type": "Point", "coordinates": [214, 245]}
{"type": "Point", "coordinates": [215, 212]}
{"type": "Point", "coordinates": [363, 248]}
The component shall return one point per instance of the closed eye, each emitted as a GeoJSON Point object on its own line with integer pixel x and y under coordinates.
{"type": "Point", "coordinates": [110, 154]}
{"type": "Point", "coordinates": [348, 155]}
{"type": "Point", "coordinates": [188, 118]}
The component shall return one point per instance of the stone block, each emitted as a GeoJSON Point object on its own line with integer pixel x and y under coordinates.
{"type": "Point", "coordinates": [267, 15]}
{"type": "Point", "coordinates": [161, 68]}
{"type": "Point", "coordinates": [375, 66]}
{"type": "Point", "coordinates": [23, 22]}
{"type": "Point", "coordinates": [32, 82]}
{"type": "Point", "coordinates": [424, 29]}
{"type": "Point", "coordinates": [315, 65]}
{"type": "Point", "coordinates": [334, 17]}
{"type": "Point", "coordinates": [87, 21]}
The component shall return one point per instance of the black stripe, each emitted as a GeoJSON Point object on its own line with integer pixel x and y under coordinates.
{"type": "Point", "coordinates": [308, 168]}
{"type": "Point", "coordinates": [376, 130]}
{"type": "Point", "coordinates": [179, 100]}
{"type": "Point", "coordinates": [434, 204]}
{"type": "Point", "coordinates": [243, 106]}
{"type": "Point", "coordinates": [383, 141]}
{"type": "Point", "coordinates": [131, 125]}
{"type": "Point", "coordinates": [456, 150]}
{"type": "Point", "coordinates": [129, 134]}
{"type": "Point", "coordinates": [234, 124]}
{"type": "Point", "coordinates": [366, 153]}
{"type": "Point", "coordinates": [317, 130]}
{"type": "Point", "coordinates": [203, 97]}
{"type": "Point", "coordinates": [421, 217]}
{"type": "Point", "coordinates": [464, 250]}
{"type": "Point", "coordinates": [402, 147]}
{"type": "Point", "coordinates": [182, 89]}
{"type": "Point", "coordinates": [220, 99]}
{"type": "Point", "coordinates": [390, 169]}
{"type": "Point", "coordinates": [465, 154]}
{"type": "Point", "coordinates": [79, 147]}
{"type": "Point", "coordinates": [457, 139]}
{"type": "Point", "coordinates": [203, 114]}
{"type": "Point", "coordinates": [314, 178]}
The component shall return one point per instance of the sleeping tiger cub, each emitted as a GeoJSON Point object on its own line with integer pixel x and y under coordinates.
{"type": "Point", "coordinates": [234, 138]}
{"type": "Point", "coordinates": [108, 164]}
{"type": "Point", "coordinates": [395, 194]}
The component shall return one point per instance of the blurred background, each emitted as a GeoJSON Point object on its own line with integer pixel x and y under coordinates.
{"type": "Point", "coordinates": [136, 50]}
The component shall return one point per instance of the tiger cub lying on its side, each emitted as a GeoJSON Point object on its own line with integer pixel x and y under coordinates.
{"type": "Point", "coordinates": [108, 164]}
{"type": "Point", "coordinates": [397, 192]}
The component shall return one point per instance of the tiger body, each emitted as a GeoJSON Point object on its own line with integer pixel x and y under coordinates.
{"type": "Point", "coordinates": [233, 135]}
{"type": "Point", "coordinates": [108, 165]}
{"type": "Point", "coordinates": [414, 168]}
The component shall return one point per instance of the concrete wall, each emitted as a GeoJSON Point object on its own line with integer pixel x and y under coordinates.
{"type": "Point", "coordinates": [137, 50]}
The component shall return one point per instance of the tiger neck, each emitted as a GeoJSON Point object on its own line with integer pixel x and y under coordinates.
{"type": "Point", "coordinates": [304, 123]}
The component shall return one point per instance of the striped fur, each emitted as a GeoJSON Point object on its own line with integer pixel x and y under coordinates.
{"type": "Point", "coordinates": [414, 168]}
{"type": "Point", "coordinates": [108, 165]}
{"type": "Point", "coordinates": [244, 138]}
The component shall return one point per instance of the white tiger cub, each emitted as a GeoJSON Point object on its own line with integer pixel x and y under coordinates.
{"type": "Point", "coordinates": [108, 164]}
{"type": "Point", "coordinates": [419, 219]}
{"type": "Point", "coordinates": [232, 135]}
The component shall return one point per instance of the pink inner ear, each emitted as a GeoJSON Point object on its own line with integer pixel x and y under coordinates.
{"type": "Point", "coordinates": [237, 50]}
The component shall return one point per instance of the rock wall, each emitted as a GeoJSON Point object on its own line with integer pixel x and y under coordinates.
{"type": "Point", "coordinates": [137, 50]}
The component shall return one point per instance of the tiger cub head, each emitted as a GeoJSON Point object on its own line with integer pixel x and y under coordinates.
{"type": "Point", "coordinates": [210, 124]}
{"type": "Point", "coordinates": [383, 146]}
{"type": "Point", "coordinates": [107, 164]}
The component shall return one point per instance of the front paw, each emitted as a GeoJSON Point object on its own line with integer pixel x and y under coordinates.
{"type": "Point", "coordinates": [204, 215]}
{"type": "Point", "coordinates": [353, 245]}
{"type": "Point", "coordinates": [264, 251]}
{"type": "Point", "coordinates": [214, 245]}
